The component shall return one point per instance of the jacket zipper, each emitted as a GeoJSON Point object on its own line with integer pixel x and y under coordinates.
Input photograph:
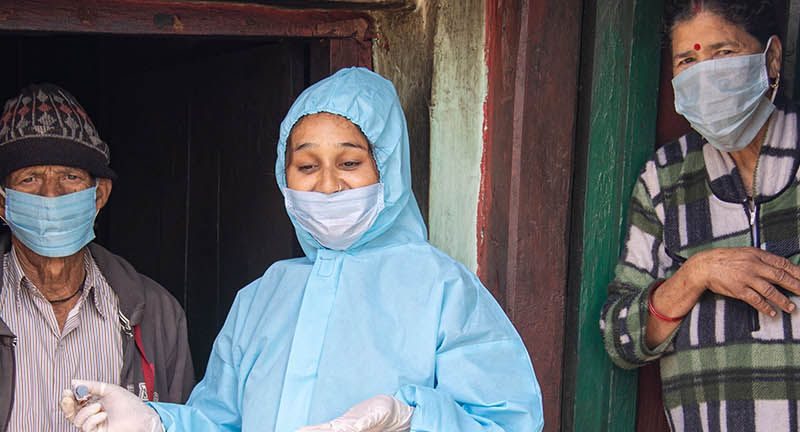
{"type": "Point", "coordinates": [752, 213]}
{"type": "Point", "coordinates": [125, 325]}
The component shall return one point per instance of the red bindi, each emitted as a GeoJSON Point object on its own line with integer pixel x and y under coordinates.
{"type": "Point", "coordinates": [697, 47]}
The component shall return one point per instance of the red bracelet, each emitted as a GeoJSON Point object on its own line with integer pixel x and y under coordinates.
{"type": "Point", "coordinates": [653, 310]}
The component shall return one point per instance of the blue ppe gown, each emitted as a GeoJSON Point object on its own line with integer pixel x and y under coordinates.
{"type": "Point", "coordinates": [390, 315]}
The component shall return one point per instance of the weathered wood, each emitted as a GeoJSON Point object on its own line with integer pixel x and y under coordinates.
{"type": "Point", "coordinates": [527, 171]}
{"type": "Point", "coordinates": [670, 126]}
{"type": "Point", "coordinates": [350, 52]}
{"type": "Point", "coordinates": [340, 4]}
{"type": "Point", "coordinates": [649, 402]}
{"type": "Point", "coordinates": [180, 18]}
{"type": "Point", "coordinates": [791, 65]}
{"type": "Point", "coordinates": [617, 132]}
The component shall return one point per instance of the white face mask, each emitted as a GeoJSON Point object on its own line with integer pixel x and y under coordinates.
{"type": "Point", "coordinates": [724, 99]}
{"type": "Point", "coordinates": [339, 219]}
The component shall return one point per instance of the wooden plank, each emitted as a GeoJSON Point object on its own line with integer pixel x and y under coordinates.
{"type": "Point", "coordinates": [350, 52]}
{"type": "Point", "coordinates": [617, 129]}
{"type": "Point", "coordinates": [148, 213]}
{"type": "Point", "coordinates": [202, 218]}
{"type": "Point", "coordinates": [502, 20]}
{"type": "Point", "coordinates": [649, 401]}
{"type": "Point", "coordinates": [254, 231]}
{"type": "Point", "coordinates": [340, 4]}
{"type": "Point", "coordinates": [790, 45]}
{"type": "Point", "coordinates": [180, 18]}
{"type": "Point", "coordinates": [524, 210]}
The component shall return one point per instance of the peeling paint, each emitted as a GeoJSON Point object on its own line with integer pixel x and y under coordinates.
{"type": "Point", "coordinates": [403, 53]}
{"type": "Point", "coordinates": [457, 124]}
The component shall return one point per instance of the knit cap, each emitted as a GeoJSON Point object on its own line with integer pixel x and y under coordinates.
{"type": "Point", "coordinates": [45, 125]}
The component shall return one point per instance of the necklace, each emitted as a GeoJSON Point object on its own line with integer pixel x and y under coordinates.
{"type": "Point", "coordinates": [67, 298]}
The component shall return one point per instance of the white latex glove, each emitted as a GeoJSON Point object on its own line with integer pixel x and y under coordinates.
{"type": "Point", "coordinates": [378, 414]}
{"type": "Point", "coordinates": [112, 408]}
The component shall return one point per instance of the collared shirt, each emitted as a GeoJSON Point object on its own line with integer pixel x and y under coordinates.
{"type": "Point", "coordinates": [47, 358]}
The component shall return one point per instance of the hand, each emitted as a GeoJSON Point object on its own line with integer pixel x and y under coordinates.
{"type": "Point", "coordinates": [112, 409]}
{"type": "Point", "coordinates": [378, 414]}
{"type": "Point", "coordinates": [747, 274]}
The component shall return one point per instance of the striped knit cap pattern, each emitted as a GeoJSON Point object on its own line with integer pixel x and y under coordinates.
{"type": "Point", "coordinates": [45, 125]}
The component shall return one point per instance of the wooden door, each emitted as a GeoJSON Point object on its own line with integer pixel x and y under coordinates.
{"type": "Point", "coordinates": [197, 206]}
{"type": "Point", "coordinates": [192, 125]}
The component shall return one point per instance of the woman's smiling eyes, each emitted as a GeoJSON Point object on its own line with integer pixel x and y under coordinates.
{"type": "Point", "coordinates": [347, 165]}
{"type": "Point", "coordinates": [351, 164]}
{"type": "Point", "coordinates": [306, 168]}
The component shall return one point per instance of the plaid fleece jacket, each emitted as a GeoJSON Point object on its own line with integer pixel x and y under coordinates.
{"type": "Point", "coordinates": [727, 367]}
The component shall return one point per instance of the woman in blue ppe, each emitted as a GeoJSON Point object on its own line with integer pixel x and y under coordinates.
{"type": "Point", "coordinates": [374, 329]}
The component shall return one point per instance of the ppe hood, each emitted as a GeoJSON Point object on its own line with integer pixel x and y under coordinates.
{"type": "Point", "coordinates": [371, 103]}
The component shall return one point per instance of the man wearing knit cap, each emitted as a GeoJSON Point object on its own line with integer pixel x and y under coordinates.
{"type": "Point", "coordinates": [68, 307]}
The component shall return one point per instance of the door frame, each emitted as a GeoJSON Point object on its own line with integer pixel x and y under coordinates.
{"type": "Point", "coordinates": [526, 175]}
{"type": "Point", "coordinates": [617, 133]}
{"type": "Point", "coordinates": [349, 33]}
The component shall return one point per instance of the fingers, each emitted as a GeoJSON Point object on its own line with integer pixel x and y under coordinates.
{"type": "Point", "coordinates": [68, 404]}
{"type": "Point", "coordinates": [335, 426]}
{"type": "Point", "coordinates": [96, 388]}
{"type": "Point", "coordinates": [758, 293]}
{"type": "Point", "coordinates": [326, 427]}
{"type": "Point", "coordinates": [86, 412]}
{"type": "Point", "coordinates": [780, 271]}
{"type": "Point", "coordinates": [779, 262]}
{"type": "Point", "coordinates": [95, 423]}
{"type": "Point", "coordinates": [767, 291]}
{"type": "Point", "coordinates": [754, 278]}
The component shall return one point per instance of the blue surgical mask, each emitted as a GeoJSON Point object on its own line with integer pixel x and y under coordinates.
{"type": "Point", "coordinates": [724, 99]}
{"type": "Point", "coordinates": [336, 220]}
{"type": "Point", "coordinates": [52, 226]}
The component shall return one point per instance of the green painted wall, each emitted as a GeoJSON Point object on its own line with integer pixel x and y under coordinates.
{"type": "Point", "coordinates": [458, 95]}
{"type": "Point", "coordinates": [617, 135]}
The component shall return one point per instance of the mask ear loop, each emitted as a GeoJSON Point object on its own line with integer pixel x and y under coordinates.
{"type": "Point", "coordinates": [3, 194]}
{"type": "Point", "coordinates": [97, 210]}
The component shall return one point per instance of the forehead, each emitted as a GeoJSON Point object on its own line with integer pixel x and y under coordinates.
{"type": "Point", "coordinates": [325, 126]}
{"type": "Point", "coordinates": [45, 169]}
{"type": "Point", "coordinates": [708, 28]}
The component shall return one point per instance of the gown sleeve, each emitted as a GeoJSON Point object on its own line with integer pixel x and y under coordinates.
{"type": "Point", "coordinates": [484, 377]}
{"type": "Point", "coordinates": [215, 403]}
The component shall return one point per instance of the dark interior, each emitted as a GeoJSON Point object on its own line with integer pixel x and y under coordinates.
{"type": "Point", "coordinates": [192, 124]}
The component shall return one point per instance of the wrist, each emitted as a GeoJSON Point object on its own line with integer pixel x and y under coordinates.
{"type": "Point", "coordinates": [671, 299]}
{"type": "Point", "coordinates": [689, 276]}
{"type": "Point", "coordinates": [654, 311]}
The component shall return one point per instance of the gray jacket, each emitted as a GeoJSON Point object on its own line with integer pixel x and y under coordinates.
{"type": "Point", "coordinates": [145, 304]}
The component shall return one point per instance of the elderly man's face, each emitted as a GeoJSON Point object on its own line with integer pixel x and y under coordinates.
{"type": "Point", "coordinates": [55, 180]}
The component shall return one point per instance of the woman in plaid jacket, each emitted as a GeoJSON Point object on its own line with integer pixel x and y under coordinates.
{"type": "Point", "coordinates": [708, 277]}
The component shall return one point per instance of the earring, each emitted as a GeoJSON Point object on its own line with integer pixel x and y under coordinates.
{"type": "Point", "coordinates": [774, 87]}
{"type": "Point", "coordinates": [777, 81]}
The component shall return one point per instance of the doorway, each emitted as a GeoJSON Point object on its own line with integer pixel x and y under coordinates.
{"type": "Point", "coordinates": [192, 124]}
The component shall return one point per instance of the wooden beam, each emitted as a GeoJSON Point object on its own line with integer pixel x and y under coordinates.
{"type": "Point", "coordinates": [340, 4]}
{"type": "Point", "coordinates": [524, 210]}
{"type": "Point", "coordinates": [790, 63]}
{"type": "Point", "coordinates": [160, 17]}
{"type": "Point", "coordinates": [616, 136]}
